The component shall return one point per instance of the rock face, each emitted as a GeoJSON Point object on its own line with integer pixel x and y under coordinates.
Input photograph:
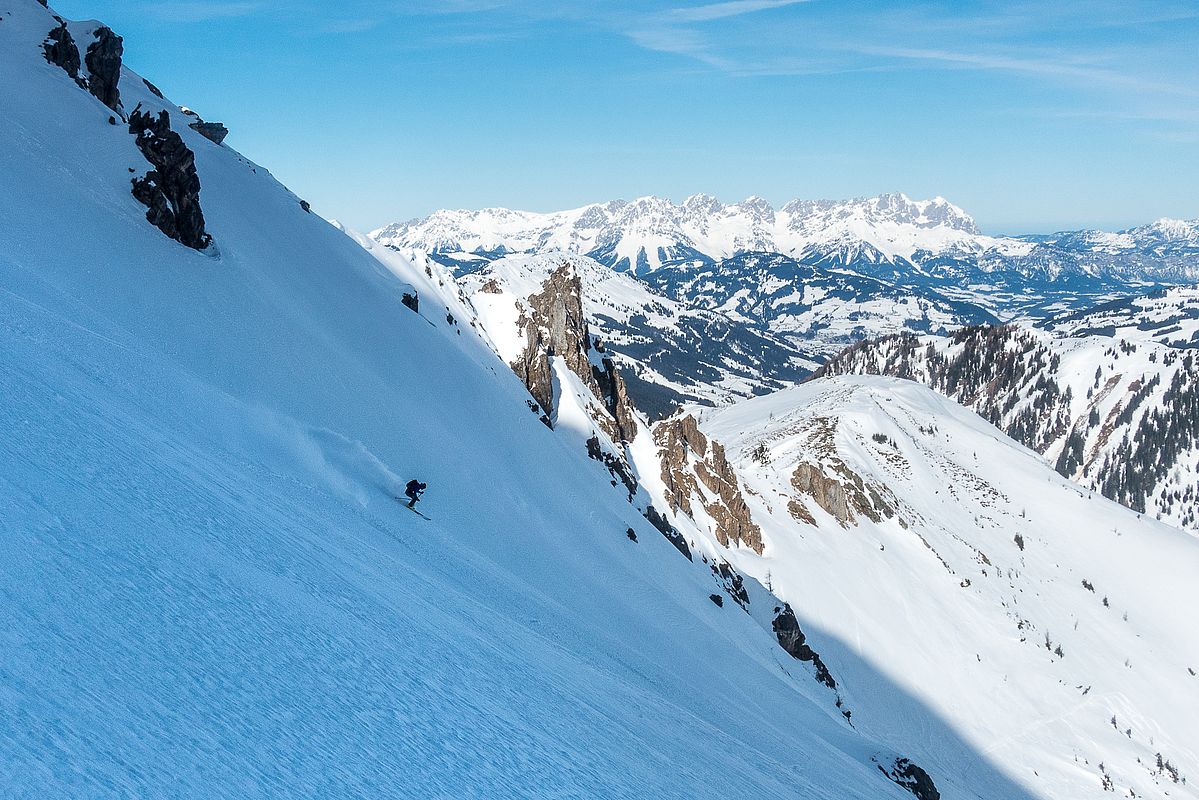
{"type": "Point", "coordinates": [911, 777]}
{"type": "Point", "coordinates": [61, 51]}
{"type": "Point", "coordinates": [171, 190]}
{"type": "Point", "coordinates": [833, 486]}
{"type": "Point", "coordinates": [792, 639]}
{"type": "Point", "coordinates": [691, 461]}
{"type": "Point", "coordinates": [214, 132]}
{"type": "Point", "coordinates": [554, 326]}
{"type": "Point", "coordinates": [103, 61]}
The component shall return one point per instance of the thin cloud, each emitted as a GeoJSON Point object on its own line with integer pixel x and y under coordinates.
{"type": "Point", "coordinates": [731, 8]}
{"type": "Point", "coordinates": [1032, 66]}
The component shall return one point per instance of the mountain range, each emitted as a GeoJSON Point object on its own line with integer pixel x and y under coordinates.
{"type": "Point", "coordinates": [918, 242]}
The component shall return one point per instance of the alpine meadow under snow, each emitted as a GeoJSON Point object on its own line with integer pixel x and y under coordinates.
{"type": "Point", "coordinates": [675, 541]}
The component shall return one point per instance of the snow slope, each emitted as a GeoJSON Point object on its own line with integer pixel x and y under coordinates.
{"type": "Point", "coordinates": [1054, 629]}
{"type": "Point", "coordinates": [207, 589]}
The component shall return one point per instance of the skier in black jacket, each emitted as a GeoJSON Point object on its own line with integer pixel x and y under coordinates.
{"type": "Point", "coordinates": [413, 491]}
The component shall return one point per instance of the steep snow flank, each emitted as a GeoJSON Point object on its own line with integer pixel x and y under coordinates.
{"type": "Point", "coordinates": [208, 588]}
{"type": "Point", "coordinates": [1053, 628]}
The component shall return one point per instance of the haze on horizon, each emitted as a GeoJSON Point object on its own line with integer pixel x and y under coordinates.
{"type": "Point", "coordinates": [1030, 118]}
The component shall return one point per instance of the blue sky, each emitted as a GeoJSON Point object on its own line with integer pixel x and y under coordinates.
{"type": "Point", "coordinates": [1033, 116]}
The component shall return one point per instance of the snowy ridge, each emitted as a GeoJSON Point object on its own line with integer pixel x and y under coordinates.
{"type": "Point", "coordinates": [1050, 627]}
{"type": "Point", "coordinates": [1121, 417]}
{"type": "Point", "coordinates": [913, 242]}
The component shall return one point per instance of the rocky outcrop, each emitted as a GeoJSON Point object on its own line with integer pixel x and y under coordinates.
{"type": "Point", "coordinates": [913, 778]}
{"type": "Point", "coordinates": [61, 51]}
{"type": "Point", "coordinates": [614, 393]}
{"type": "Point", "coordinates": [671, 533]}
{"type": "Point", "coordinates": [171, 190]}
{"type": "Point", "coordinates": [103, 61]}
{"type": "Point", "coordinates": [553, 325]}
{"type": "Point", "coordinates": [833, 486]}
{"type": "Point", "coordinates": [691, 461]}
{"type": "Point", "coordinates": [731, 581]}
{"type": "Point", "coordinates": [791, 638]}
{"type": "Point", "coordinates": [214, 132]}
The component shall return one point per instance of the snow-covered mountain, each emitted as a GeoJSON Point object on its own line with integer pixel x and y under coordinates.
{"type": "Point", "coordinates": [913, 242]}
{"type": "Point", "coordinates": [818, 308]}
{"type": "Point", "coordinates": [211, 396]}
{"type": "Point", "coordinates": [1118, 415]}
{"type": "Point", "coordinates": [1052, 629]}
{"type": "Point", "coordinates": [642, 235]}
{"type": "Point", "coordinates": [846, 493]}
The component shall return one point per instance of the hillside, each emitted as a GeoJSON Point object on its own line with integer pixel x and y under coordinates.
{"type": "Point", "coordinates": [1050, 628]}
{"type": "Point", "coordinates": [1119, 417]}
{"type": "Point", "coordinates": [211, 398]}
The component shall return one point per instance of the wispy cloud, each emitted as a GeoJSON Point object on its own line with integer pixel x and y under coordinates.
{"type": "Point", "coordinates": [731, 8]}
{"type": "Point", "coordinates": [1034, 66]}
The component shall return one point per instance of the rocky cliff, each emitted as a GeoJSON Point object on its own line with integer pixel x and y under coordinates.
{"type": "Point", "coordinates": [698, 476]}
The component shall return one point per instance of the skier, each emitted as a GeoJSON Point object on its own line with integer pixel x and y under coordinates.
{"type": "Point", "coordinates": [413, 491]}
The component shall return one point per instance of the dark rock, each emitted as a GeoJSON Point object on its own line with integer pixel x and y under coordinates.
{"type": "Point", "coordinates": [669, 531]}
{"type": "Point", "coordinates": [153, 89]}
{"type": "Point", "coordinates": [61, 51]}
{"type": "Point", "coordinates": [792, 639]}
{"type": "Point", "coordinates": [732, 581]}
{"type": "Point", "coordinates": [411, 300]}
{"type": "Point", "coordinates": [717, 599]}
{"type": "Point", "coordinates": [913, 778]}
{"type": "Point", "coordinates": [304, 205]}
{"type": "Point", "coordinates": [103, 61]}
{"type": "Point", "coordinates": [214, 132]}
{"type": "Point", "coordinates": [617, 466]}
{"type": "Point", "coordinates": [171, 190]}
{"type": "Point", "coordinates": [632, 534]}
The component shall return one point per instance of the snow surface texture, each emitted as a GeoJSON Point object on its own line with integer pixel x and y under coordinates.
{"type": "Point", "coordinates": [1053, 629]}
{"type": "Point", "coordinates": [207, 588]}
